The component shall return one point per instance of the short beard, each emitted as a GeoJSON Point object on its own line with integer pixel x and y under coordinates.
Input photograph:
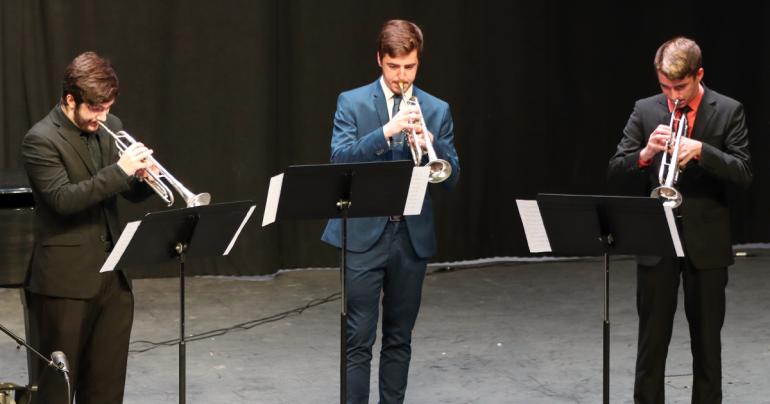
{"type": "Point", "coordinates": [81, 123]}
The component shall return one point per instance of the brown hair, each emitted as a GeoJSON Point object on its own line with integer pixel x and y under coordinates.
{"type": "Point", "coordinates": [678, 58]}
{"type": "Point", "coordinates": [90, 78]}
{"type": "Point", "coordinates": [398, 38]}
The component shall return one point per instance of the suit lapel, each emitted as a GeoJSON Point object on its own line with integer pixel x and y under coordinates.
{"type": "Point", "coordinates": [663, 118]}
{"type": "Point", "coordinates": [664, 114]}
{"type": "Point", "coordinates": [71, 135]}
{"type": "Point", "coordinates": [380, 104]}
{"type": "Point", "coordinates": [704, 115]}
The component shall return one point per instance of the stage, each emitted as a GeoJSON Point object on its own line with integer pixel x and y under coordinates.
{"type": "Point", "coordinates": [510, 332]}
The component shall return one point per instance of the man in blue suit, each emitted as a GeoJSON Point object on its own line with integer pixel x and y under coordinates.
{"type": "Point", "coordinates": [387, 255]}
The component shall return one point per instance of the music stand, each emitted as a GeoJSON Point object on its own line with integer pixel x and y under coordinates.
{"type": "Point", "coordinates": [176, 235]}
{"type": "Point", "coordinates": [589, 225]}
{"type": "Point", "coordinates": [327, 191]}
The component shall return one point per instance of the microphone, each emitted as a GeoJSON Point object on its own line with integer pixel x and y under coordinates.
{"type": "Point", "coordinates": [60, 361]}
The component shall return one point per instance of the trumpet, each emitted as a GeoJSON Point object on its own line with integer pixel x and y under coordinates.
{"type": "Point", "coordinates": [440, 169]}
{"type": "Point", "coordinates": [123, 140]}
{"type": "Point", "coordinates": [669, 165]}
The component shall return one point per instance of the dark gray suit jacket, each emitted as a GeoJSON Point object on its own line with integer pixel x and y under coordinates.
{"type": "Point", "coordinates": [725, 161]}
{"type": "Point", "coordinates": [72, 200]}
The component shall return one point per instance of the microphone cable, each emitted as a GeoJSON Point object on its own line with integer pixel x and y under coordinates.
{"type": "Point", "coordinates": [150, 345]}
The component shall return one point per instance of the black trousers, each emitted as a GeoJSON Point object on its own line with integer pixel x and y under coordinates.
{"type": "Point", "coordinates": [656, 300]}
{"type": "Point", "coordinates": [93, 334]}
{"type": "Point", "coordinates": [393, 269]}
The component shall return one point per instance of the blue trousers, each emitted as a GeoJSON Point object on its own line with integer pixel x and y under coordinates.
{"type": "Point", "coordinates": [392, 268]}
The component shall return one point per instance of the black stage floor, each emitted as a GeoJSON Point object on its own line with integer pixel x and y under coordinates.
{"type": "Point", "coordinates": [500, 333]}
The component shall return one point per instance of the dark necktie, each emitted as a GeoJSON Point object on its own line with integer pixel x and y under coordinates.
{"type": "Point", "coordinates": [397, 141]}
{"type": "Point", "coordinates": [92, 141]}
{"type": "Point", "coordinates": [683, 119]}
{"type": "Point", "coordinates": [93, 148]}
{"type": "Point", "coordinates": [396, 104]}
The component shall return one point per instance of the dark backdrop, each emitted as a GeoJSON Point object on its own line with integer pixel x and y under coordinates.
{"type": "Point", "coordinates": [228, 93]}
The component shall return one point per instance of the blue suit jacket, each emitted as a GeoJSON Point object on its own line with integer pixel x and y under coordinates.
{"type": "Point", "coordinates": [358, 137]}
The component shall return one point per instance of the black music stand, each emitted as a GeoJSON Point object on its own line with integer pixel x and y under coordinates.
{"type": "Point", "coordinates": [176, 235]}
{"type": "Point", "coordinates": [607, 225]}
{"type": "Point", "coordinates": [326, 191]}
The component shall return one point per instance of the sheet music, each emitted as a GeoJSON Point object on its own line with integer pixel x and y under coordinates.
{"type": "Point", "coordinates": [534, 229]}
{"type": "Point", "coordinates": [120, 246]}
{"type": "Point", "coordinates": [417, 186]}
{"type": "Point", "coordinates": [273, 195]}
{"type": "Point", "coordinates": [243, 223]}
{"type": "Point", "coordinates": [674, 230]}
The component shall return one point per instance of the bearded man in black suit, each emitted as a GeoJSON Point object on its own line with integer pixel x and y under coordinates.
{"type": "Point", "coordinates": [76, 175]}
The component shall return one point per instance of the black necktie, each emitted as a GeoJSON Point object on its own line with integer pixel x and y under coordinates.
{"type": "Point", "coordinates": [93, 148]}
{"type": "Point", "coordinates": [397, 141]}
{"type": "Point", "coordinates": [92, 141]}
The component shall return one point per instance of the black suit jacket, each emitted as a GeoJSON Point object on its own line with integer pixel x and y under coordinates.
{"type": "Point", "coordinates": [725, 161]}
{"type": "Point", "coordinates": [72, 200]}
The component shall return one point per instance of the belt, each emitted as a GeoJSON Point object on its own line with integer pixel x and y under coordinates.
{"type": "Point", "coordinates": [397, 218]}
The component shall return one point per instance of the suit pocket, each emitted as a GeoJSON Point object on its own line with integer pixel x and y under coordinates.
{"type": "Point", "coordinates": [66, 239]}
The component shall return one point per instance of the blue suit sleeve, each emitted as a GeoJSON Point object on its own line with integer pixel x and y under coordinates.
{"type": "Point", "coordinates": [347, 145]}
{"type": "Point", "coordinates": [443, 143]}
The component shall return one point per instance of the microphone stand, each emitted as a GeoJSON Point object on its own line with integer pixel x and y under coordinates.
{"type": "Point", "coordinates": [58, 366]}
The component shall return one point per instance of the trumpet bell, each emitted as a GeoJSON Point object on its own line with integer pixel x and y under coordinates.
{"type": "Point", "coordinates": [668, 195]}
{"type": "Point", "coordinates": [440, 170]}
{"type": "Point", "coordinates": [201, 199]}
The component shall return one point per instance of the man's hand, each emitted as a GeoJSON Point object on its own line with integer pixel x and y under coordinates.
{"type": "Point", "coordinates": [421, 137]}
{"type": "Point", "coordinates": [134, 159]}
{"type": "Point", "coordinates": [404, 120]}
{"type": "Point", "coordinates": [689, 149]}
{"type": "Point", "coordinates": [656, 143]}
{"type": "Point", "coordinates": [144, 173]}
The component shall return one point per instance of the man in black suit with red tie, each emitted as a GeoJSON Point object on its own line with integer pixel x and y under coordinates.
{"type": "Point", "coordinates": [713, 156]}
{"type": "Point", "coordinates": [76, 174]}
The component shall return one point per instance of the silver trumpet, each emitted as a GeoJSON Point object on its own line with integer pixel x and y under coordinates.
{"type": "Point", "coordinates": [440, 169]}
{"type": "Point", "coordinates": [669, 165]}
{"type": "Point", "coordinates": [123, 140]}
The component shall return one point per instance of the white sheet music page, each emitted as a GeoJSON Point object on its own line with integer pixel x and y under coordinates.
{"type": "Point", "coordinates": [237, 232]}
{"type": "Point", "coordinates": [534, 229]}
{"type": "Point", "coordinates": [273, 195]}
{"type": "Point", "coordinates": [120, 246]}
{"type": "Point", "coordinates": [417, 187]}
{"type": "Point", "coordinates": [674, 230]}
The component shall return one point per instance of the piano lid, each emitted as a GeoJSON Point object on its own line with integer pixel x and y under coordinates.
{"type": "Point", "coordinates": [16, 226]}
{"type": "Point", "coordinates": [14, 181]}
{"type": "Point", "coordinates": [15, 191]}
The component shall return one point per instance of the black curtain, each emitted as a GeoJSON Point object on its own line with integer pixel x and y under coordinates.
{"type": "Point", "coordinates": [229, 93]}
